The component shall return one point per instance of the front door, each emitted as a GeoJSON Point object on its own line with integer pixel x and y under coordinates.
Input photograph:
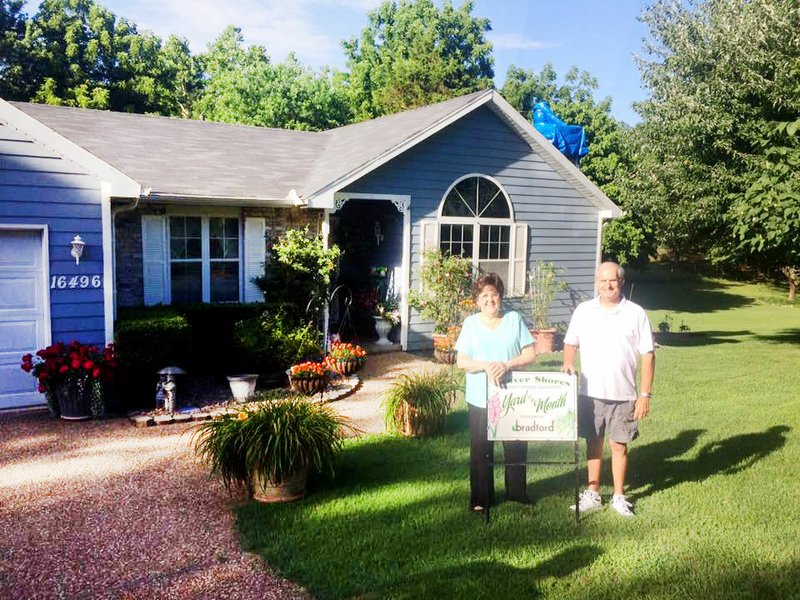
{"type": "Point", "coordinates": [23, 318]}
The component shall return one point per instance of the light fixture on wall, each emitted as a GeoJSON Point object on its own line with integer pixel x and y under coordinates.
{"type": "Point", "coordinates": [378, 233]}
{"type": "Point", "coordinates": [77, 245]}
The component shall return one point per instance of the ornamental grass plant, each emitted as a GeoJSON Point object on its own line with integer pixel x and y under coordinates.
{"type": "Point", "coordinates": [417, 403]}
{"type": "Point", "coordinates": [271, 440]}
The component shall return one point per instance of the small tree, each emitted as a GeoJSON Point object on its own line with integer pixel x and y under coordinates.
{"type": "Point", "coordinates": [446, 289]}
{"type": "Point", "coordinates": [300, 272]}
{"type": "Point", "coordinates": [544, 282]}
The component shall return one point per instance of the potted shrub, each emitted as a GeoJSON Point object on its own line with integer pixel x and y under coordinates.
{"type": "Point", "coordinates": [345, 358]}
{"type": "Point", "coordinates": [308, 377]}
{"type": "Point", "coordinates": [444, 346]}
{"type": "Point", "coordinates": [71, 377]}
{"type": "Point", "coordinates": [544, 283]}
{"type": "Point", "coordinates": [446, 290]}
{"type": "Point", "coordinates": [271, 447]}
{"type": "Point", "coordinates": [417, 404]}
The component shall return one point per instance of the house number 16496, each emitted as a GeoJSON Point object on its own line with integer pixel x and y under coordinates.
{"type": "Point", "coordinates": [75, 282]}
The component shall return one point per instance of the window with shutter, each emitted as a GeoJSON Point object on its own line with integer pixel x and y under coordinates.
{"type": "Point", "coordinates": [476, 222]}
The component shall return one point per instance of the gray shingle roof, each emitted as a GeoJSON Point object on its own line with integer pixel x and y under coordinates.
{"type": "Point", "coordinates": [187, 158]}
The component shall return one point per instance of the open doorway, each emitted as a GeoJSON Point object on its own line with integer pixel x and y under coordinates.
{"type": "Point", "coordinates": [370, 234]}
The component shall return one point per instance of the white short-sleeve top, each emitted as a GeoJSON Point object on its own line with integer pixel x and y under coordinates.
{"type": "Point", "coordinates": [610, 341]}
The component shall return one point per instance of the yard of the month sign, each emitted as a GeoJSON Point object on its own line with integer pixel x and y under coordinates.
{"type": "Point", "coordinates": [535, 406]}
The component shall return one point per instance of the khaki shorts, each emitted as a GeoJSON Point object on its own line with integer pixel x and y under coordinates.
{"type": "Point", "coordinates": [600, 418]}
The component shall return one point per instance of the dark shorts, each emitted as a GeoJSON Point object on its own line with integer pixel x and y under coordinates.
{"type": "Point", "coordinates": [600, 418]}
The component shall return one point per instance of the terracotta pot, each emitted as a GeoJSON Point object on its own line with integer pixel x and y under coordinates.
{"type": "Point", "coordinates": [346, 367]}
{"type": "Point", "coordinates": [290, 489]}
{"type": "Point", "coordinates": [410, 424]}
{"type": "Point", "coordinates": [447, 357]}
{"type": "Point", "coordinates": [545, 340]}
{"type": "Point", "coordinates": [74, 404]}
{"type": "Point", "coordinates": [308, 386]}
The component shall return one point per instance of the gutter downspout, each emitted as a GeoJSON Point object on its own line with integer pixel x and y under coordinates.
{"type": "Point", "coordinates": [114, 212]}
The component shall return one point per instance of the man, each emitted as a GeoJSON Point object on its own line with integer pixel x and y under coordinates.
{"type": "Point", "coordinates": [613, 334]}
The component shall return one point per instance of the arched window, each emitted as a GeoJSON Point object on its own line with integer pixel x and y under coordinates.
{"type": "Point", "coordinates": [476, 222]}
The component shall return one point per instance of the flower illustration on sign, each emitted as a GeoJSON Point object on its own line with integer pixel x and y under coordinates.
{"type": "Point", "coordinates": [494, 411]}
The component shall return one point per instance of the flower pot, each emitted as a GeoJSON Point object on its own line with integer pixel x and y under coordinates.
{"type": "Point", "coordinates": [447, 357]}
{"type": "Point", "coordinates": [74, 402]}
{"type": "Point", "coordinates": [382, 327]}
{"type": "Point", "coordinates": [242, 386]}
{"type": "Point", "coordinates": [545, 340]}
{"type": "Point", "coordinates": [346, 367]}
{"type": "Point", "coordinates": [308, 385]}
{"type": "Point", "coordinates": [290, 489]}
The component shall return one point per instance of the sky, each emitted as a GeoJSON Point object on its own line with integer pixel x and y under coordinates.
{"type": "Point", "coordinates": [599, 36]}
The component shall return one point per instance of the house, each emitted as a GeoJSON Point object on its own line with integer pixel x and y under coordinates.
{"type": "Point", "coordinates": [175, 210]}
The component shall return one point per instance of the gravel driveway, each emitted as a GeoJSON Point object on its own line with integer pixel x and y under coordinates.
{"type": "Point", "coordinates": [102, 509]}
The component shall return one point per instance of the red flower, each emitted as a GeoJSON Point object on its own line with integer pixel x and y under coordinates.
{"type": "Point", "coordinates": [42, 389]}
{"type": "Point", "coordinates": [63, 369]}
{"type": "Point", "coordinates": [43, 376]}
{"type": "Point", "coordinates": [76, 364]}
{"type": "Point", "coordinates": [27, 367]}
{"type": "Point", "coordinates": [96, 373]}
{"type": "Point", "coordinates": [88, 365]}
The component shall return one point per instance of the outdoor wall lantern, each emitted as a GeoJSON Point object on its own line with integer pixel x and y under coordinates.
{"type": "Point", "coordinates": [378, 233]}
{"type": "Point", "coordinates": [77, 245]}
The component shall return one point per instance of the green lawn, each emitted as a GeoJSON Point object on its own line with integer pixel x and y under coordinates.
{"type": "Point", "coordinates": [714, 478]}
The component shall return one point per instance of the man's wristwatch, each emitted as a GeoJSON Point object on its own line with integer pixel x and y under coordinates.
{"type": "Point", "coordinates": [647, 395]}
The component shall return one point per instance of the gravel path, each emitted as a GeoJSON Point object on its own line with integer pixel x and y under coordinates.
{"type": "Point", "coordinates": [102, 509]}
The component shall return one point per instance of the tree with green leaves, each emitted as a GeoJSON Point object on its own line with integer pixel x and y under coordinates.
{"type": "Point", "coordinates": [627, 240]}
{"type": "Point", "coordinates": [82, 55]}
{"type": "Point", "coordinates": [766, 218]}
{"type": "Point", "coordinates": [413, 53]}
{"type": "Point", "coordinates": [243, 86]}
{"type": "Point", "coordinates": [721, 74]}
{"type": "Point", "coordinates": [14, 62]}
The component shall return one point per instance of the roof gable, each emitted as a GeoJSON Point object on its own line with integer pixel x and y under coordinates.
{"type": "Point", "coordinates": [190, 159]}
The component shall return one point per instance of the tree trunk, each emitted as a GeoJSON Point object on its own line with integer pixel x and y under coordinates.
{"type": "Point", "coordinates": [792, 274]}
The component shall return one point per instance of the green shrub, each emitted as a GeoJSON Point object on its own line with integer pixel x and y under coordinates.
{"type": "Point", "coordinates": [273, 342]}
{"type": "Point", "coordinates": [144, 346]}
{"type": "Point", "coordinates": [417, 404]}
{"type": "Point", "coordinates": [213, 326]}
{"type": "Point", "coordinates": [272, 441]}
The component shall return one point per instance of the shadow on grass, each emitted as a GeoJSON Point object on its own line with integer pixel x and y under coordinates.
{"type": "Point", "coordinates": [439, 583]}
{"type": "Point", "coordinates": [790, 336]}
{"type": "Point", "coordinates": [700, 338]}
{"type": "Point", "coordinates": [655, 473]}
{"type": "Point", "coordinates": [698, 296]}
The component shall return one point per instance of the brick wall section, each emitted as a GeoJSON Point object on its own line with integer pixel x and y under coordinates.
{"type": "Point", "coordinates": [128, 259]}
{"type": "Point", "coordinates": [128, 225]}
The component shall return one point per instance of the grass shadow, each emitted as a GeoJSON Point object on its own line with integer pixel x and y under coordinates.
{"type": "Point", "coordinates": [652, 472]}
{"type": "Point", "coordinates": [699, 338]}
{"type": "Point", "coordinates": [786, 336]}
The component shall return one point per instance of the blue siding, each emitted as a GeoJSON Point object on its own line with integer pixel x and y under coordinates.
{"type": "Point", "coordinates": [39, 187]}
{"type": "Point", "coordinates": [562, 222]}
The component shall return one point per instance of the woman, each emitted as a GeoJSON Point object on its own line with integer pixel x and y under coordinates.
{"type": "Point", "coordinates": [492, 343]}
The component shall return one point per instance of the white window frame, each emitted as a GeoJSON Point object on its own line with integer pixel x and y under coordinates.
{"type": "Point", "coordinates": [477, 222]}
{"type": "Point", "coordinates": [205, 253]}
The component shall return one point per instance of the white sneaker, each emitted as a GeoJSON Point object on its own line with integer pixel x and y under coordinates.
{"type": "Point", "coordinates": [588, 501]}
{"type": "Point", "coordinates": [622, 506]}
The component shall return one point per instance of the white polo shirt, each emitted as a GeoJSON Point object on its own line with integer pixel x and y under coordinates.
{"type": "Point", "coordinates": [610, 343]}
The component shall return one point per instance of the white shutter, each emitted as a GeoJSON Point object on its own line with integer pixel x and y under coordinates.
{"type": "Point", "coordinates": [154, 255]}
{"type": "Point", "coordinates": [254, 257]}
{"type": "Point", "coordinates": [520, 260]}
{"type": "Point", "coordinates": [430, 241]}
{"type": "Point", "coordinates": [430, 234]}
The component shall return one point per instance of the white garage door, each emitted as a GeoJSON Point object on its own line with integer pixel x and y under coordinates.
{"type": "Point", "coordinates": [23, 327]}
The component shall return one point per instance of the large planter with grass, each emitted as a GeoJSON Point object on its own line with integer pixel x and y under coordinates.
{"type": "Point", "coordinates": [417, 405]}
{"type": "Point", "coordinates": [271, 447]}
